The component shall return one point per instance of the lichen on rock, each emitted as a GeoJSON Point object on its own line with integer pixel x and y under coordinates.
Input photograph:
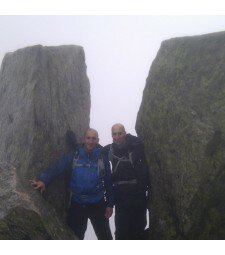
{"type": "Point", "coordinates": [181, 122]}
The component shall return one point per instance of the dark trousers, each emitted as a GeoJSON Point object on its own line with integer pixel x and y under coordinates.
{"type": "Point", "coordinates": [78, 216]}
{"type": "Point", "coordinates": [130, 217]}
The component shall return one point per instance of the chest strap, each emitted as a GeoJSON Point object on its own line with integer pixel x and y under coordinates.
{"type": "Point", "coordinates": [119, 159]}
{"type": "Point", "coordinates": [133, 181]}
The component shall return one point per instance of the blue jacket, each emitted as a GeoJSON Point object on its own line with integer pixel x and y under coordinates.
{"type": "Point", "coordinates": [86, 183]}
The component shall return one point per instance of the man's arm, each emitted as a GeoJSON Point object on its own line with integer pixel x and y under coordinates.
{"type": "Point", "coordinates": [142, 166]}
{"type": "Point", "coordinates": [49, 174]}
{"type": "Point", "coordinates": [108, 188]}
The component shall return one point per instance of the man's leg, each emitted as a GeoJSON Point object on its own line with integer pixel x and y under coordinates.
{"type": "Point", "coordinates": [139, 222]}
{"type": "Point", "coordinates": [130, 217]}
{"type": "Point", "coordinates": [99, 222]}
{"type": "Point", "coordinates": [77, 219]}
{"type": "Point", "coordinates": [139, 217]}
{"type": "Point", "coordinates": [122, 223]}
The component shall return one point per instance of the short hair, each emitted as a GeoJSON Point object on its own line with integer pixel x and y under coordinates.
{"type": "Point", "coordinates": [92, 130]}
{"type": "Point", "coordinates": [119, 125]}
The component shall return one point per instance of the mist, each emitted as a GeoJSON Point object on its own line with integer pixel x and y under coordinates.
{"type": "Point", "coordinates": [119, 52]}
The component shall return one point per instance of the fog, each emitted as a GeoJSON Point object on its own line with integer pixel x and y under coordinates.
{"type": "Point", "coordinates": [119, 52]}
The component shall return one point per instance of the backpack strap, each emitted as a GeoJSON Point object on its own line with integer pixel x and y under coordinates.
{"type": "Point", "coordinates": [100, 165]}
{"type": "Point", "coordinates": [119, 159]}
{"type": "Point", "coordinates": [101, 168]}
{"type": "Point", "coordinates": [75, 159]}
{"type": "Point", "coordinates": [73, 165]}
{"type": "Point", "coordinates": [131, 158]}
{"type": "Point", "coordinates": [110, 154]}
{"type": "Point", "coordinates": [133, 181]}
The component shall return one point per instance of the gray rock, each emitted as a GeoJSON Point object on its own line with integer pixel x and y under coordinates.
{"type": "Point", "coordinates": [24, 215]}
{"type": "Point", "coordinates": [44, 91]}
{"type": "Point", "coordinates": [181, 122]}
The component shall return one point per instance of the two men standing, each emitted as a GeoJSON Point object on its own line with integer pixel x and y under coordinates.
{"type": "Point", "coordinates": [93, 185]}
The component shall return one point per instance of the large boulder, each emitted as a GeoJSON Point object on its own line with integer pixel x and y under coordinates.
{"type": "Point", "coordinates": [44, 91]}
{"type": "Point", "coordinates": [182, 124]}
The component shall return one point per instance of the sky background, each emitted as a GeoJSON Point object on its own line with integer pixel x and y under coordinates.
{"type": "Point", "coordinates": [119, 51]}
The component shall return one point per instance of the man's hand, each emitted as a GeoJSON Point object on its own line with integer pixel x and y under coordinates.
{"type": "Point", "coordinates": [38, 185]}
{"type": "Point", "coordinates": [108, 212]}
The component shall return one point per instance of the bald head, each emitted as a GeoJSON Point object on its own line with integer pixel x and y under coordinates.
{"type": "Point", "coordinates": [118, 133]}
{"type": "Point", "coordinates": [90, 139]}
{"type": "Point", "coordinates": [118, 126]}
{"type": "Point", "coordinates": [92, 130]}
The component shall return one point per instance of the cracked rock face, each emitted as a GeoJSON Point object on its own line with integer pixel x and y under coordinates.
{"type": "Point", "coordinates": [181, 122]}
{"type": "Point", "coordinates": [44, 91]}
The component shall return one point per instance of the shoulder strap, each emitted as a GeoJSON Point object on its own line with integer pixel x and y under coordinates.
{"type": "Point", "coordinates": [101, 166]}
{"type": "Point", "coordinates": [130, 158]}
{"type": "Point", "coordinates": [110, 155]}
{"type": "Point", "coordinates": [100, 163]}
{"type": "Point", "coordinates": [113, 156]}
{"type": "Point", "coordinates": [119, 159]}
{"type": "Point", "coordinates": [75, 159]}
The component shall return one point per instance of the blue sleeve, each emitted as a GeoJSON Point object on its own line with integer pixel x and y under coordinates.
{"type": "Point", "coordinates": [56, 169]}
{"type": "Point", "coordinates": [108, 183]}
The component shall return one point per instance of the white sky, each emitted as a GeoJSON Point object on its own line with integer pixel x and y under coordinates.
{"type": "Point", "coordinates": [119, 51]}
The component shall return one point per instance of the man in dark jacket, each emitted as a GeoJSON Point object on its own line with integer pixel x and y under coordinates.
{"type": "Point", "coordinates": [90, 186]}
{"type": "Point", "coordinates": [130, 182]}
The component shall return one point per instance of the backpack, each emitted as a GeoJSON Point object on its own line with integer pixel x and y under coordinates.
{"type": "Point", "coordinates": [101, 167]}
{"type": "Point", "coordinates": [131, 179]}
{"type": "Point", "coordinates": [129, 171]}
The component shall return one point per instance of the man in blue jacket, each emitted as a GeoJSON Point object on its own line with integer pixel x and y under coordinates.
{"type": "Point", "coordinates": [90, 186]}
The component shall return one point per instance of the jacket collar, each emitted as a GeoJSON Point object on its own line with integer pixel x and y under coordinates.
{"type": "Point", "coordinates": [92, 156]}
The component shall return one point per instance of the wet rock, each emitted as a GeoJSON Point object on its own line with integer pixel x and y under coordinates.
{"type": "Point", "coordinates": [44, 91]}
{"type": "Point", "coordinates": [181, 122]}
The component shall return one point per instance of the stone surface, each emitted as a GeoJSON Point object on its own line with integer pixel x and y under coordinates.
{"type": "Point", "coordinates": [44, 91]}
{"type": "Point", "coordinates": [24, 215]}
{"type": "Point", "coordinates": [181, 122]}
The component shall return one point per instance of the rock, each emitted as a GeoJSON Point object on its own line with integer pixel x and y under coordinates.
{"type": "Point", "coordinates": [181, 122]}
{"type": "Point", "coordinates": [44, 92]}
{"type": "Point", "coordinates": [24, 215]}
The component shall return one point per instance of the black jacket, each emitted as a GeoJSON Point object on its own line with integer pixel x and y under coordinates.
{"type": "Point", "coordinates": [128, 171]}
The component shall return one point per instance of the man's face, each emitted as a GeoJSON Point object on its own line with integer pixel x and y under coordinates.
{"type": "Point", "coordinates": [90, 140]}
{"type": "Point", "coordinates": [118, 134]}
